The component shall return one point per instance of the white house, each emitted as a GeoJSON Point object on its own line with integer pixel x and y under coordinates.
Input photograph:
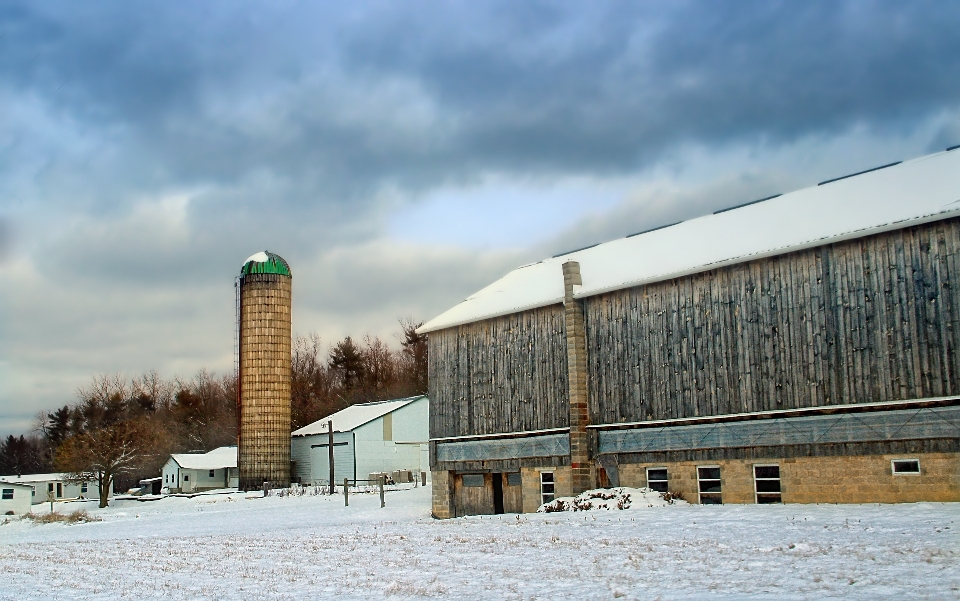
{"type": "Point", "coordinates": [15, 499]}
{"type": "Point", "coordinates": [194, 472]}
{"type": "Point", "coordinates": [383, 436]}
{"type": "Point", "coordinates": [57, 483]}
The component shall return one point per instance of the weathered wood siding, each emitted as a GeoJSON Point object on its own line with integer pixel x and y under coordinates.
{"type": "Point", "coordinates": [868, 320]}
{"type": "Point", "coordinates": [507, 374]}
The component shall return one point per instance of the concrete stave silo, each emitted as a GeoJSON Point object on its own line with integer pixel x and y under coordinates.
{"type": "Point", "coordinates": [264, 355]}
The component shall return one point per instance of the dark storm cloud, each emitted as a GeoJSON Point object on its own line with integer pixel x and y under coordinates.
{"type": "Point", "coordinates": [327, 96]}
{"type": "Point", "coordinates": [607, 90]}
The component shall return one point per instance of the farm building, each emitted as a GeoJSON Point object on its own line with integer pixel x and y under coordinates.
{"type": "Point", "coordinates": [195, 472]}
{"type": "Point", "coordinates": [802, 348]}
{"type": "Point", "coordinates": [15, 499]}
{"type": "Point", "coordinates": [57, 484]}
{"type": "Point", "coordinates": [368, 438]}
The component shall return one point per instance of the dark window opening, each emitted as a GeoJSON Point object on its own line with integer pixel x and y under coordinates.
{"type": "Point", "coordinates": [7, 494]}
{"type": "Point", "coordinates": [546, 487]}
{"type": "Point", "coordinates": [709, 485]}
{"type": "Point", "coordinates": [513, 479]}
{"type": "Point", "coordinates": [473, 480]}
{"type": "Point", "coordinates": [906, 466]}
{"type": "Point", "coordinates": [766, 479]}
{"type": "Point", "coordinates": [657, 479]}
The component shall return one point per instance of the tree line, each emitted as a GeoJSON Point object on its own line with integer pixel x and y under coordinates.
{"type": "Point", "coordinates": [120, 430]}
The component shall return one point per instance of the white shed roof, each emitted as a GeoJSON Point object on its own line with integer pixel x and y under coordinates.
{"type": "Point", "coordinates": [904, 194]}
{"type": "Point", "coordinates": [31, 478]}
{"type": "Point", "coordinates": [355, 416]}
{"type": "Point", "coordinates": [6, 483]}
{"type": "Point", "coordinates": [216, 459]}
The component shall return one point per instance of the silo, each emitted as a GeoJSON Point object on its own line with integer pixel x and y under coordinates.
{"type": "Point", "coordinates": [263, 336]}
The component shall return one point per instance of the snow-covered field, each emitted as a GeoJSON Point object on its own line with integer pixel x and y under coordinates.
{"type": "Point", "coordinates": [231, 547]}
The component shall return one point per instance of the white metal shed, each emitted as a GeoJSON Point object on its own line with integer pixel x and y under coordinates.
{"type": "Point", "coordinates": [382, 436]}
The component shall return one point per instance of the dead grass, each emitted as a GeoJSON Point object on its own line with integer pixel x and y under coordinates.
{"type": "Point", "coordinates": [77, 517]}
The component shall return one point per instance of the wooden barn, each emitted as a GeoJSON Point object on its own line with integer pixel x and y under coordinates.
{"type": "Point", "coordinates": [802, 348]}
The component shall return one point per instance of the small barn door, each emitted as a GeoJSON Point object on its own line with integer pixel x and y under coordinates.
{"type": "Point", "coordinates": [473, 494]}
{"type": "Point", "coordinates": [512, 496]}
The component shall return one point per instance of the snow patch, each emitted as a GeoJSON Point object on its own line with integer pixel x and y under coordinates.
{"type": "Point", "coordinates": [620, 498]}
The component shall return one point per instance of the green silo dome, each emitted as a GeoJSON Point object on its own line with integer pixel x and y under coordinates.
{"type": "Point", "coordinates": [265, 262]}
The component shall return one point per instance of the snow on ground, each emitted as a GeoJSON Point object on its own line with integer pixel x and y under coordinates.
{"type": "Point", "coordinates": [232, 547]}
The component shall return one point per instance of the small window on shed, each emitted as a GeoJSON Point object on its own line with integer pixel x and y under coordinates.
{"type": "Point", "coordinates": [657, 478]}
{"type": "Point", "coordinates": [513, 479]}
{"type": "Point", "coordinates": [212, 472]}
{"type": "Point", "coordinates": [7, 494]}
{"type": "Point", "coordinates": [186, 477]}
{"type": "Point", "coordinates": [473, 480]}
{"type": "Point", "coordinates": [766, 482]}
{"type": "Point", "coordinates": [547, 490]}
{"type": "Point", "coordinates": [708, 481]}
{"type": "Point", "coordinates": [83, 488]}
{"type": "Point", "coordinates": [906, 466]}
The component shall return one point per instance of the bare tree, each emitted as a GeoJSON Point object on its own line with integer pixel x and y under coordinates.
{"type": "Point", "coordinates": [105, 453]}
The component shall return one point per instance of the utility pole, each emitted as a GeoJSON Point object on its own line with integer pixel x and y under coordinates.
{"type": "Point", "coordinates": [330, 452]}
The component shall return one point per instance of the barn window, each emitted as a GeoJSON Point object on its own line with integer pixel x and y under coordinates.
{"type": "Point", "coordinates": [905, 466]}
{"type": "Point", "coordinates": [83, 487]}
{"type": "Point", "coordinates": [766, 483]}
{"type": "Point", "coordinates": [473, 480]}
{"type": "Point", "coordinates": [547, 489]}
{"type": "Point", "coordinates": [708, 482]}
{"type": "Point", "coordinates": [186, 477]}
{"type": "Point", "coordinates": [657, 478]}
{"type": "Point", "coordinates": [211, 473]}
{"type": "Point", "coordinates": [7, 494]}
{"type": "Point", "coordinates": [513, 479]}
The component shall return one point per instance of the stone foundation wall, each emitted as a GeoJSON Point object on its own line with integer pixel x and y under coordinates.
{"type": "Point", "coordinates": [442, 495]}
{"type": "Point", "coordinates": [530, 483]}
{"type": "Point", "coordinates": [858, 479]}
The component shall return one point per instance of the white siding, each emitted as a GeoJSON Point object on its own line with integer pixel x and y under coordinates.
{"type": "Point", "coordinates": [300, 455]}
{"type": "Point", "coordinates": [343, 457]}
{"type": "Point", "coordinates": [410, 429]}
{"type": "Point", "coordinates": [20, 503]}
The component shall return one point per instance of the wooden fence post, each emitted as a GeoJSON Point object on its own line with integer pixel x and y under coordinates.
{"type": "Point", "coordinates": [381, 480]}
{"type": "Point", "coordinates": [346, 492]}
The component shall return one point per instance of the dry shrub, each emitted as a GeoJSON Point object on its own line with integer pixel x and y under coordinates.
{"type": "Point", "coordinates": [554, 506]}
{"type": "Point", "coordinates": [671, 496]}
{"type": "Point", "coordinates": [77, 517]}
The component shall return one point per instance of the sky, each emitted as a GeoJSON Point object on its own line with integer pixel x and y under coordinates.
{"type": "Point", "coordinates": [401, 156]}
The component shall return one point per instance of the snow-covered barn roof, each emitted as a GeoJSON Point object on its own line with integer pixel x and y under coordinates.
{"type": "Point", "coordinates": [28, 478]}
{"type": "Point", "coordinates": [355, 416]}
{"type": "Point", "coordinates": [887, 198]}
{"type": "Point", "coordinates": [217, 459]}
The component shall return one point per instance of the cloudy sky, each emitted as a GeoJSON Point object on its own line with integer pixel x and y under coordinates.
{"type": "Point", "coordinates": [401, 155]}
